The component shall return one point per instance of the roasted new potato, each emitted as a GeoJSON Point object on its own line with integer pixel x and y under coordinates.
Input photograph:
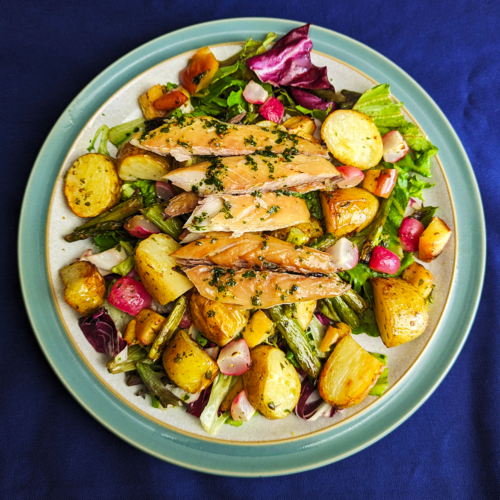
{"type": "Point", "coordinates": [311, 230]}
{"type": "Point", "coordinates": [84, 287]}
{"type": "Point", "coordinates": [352, 138]}
{"type": "Point", "coordinates": [92, 185]}
{"type": "Point", "coordinates": [155, 268]}
{"type": "Point", "coordinates": [258, 329]}
{"type": "Point", "coordinates": [129, 336]}
{"type": "Point", "coordinates": [149, 323]}
{"type": "Point", "coordinates": [400, 310]}
{"type": "Point", "coordinates": [433, 240]}
{"type": "Point", "coordinates": [233, 392]}
{"type": "Point", "coordinates": [303, 312]}
{"type": "Point", "coordinates": [272, 384]}
{"type": "Point", "coordinates": [349, 374]}
{"type": "Point", "coordinates": [200, 70]}
{"type": "Point", "coordinates": [420, 278]}
{"type": "Point", "coordinates": [300, 124]}
{"type": "Point", "coordinates": [218, 322]}
{"type": "Point", "coordinates": [348, 210]}
{"type": "Point", "coordinates": [371, 180]}
{"type": "Point", "coordinates": [187, 364]}
{"type": "Point", "coordinates": [135, 163]}
{"type": "Point", "coordinates": [333, 335]}
{"type": "Point", "coordinates": [183, 203]}
{"type": "Point", "coordinates": [146, 101]}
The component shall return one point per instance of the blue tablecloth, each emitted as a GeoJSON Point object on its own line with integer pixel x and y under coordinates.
{"type": "Point", "coordinates": [51, 448]}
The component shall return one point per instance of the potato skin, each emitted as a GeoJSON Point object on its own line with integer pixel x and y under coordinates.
{"type": "Point", "coordinates": [135, 163]}
{"type": "Point", "coordinates": [187, 364]}
{"type": "Point", "coordinates": [84, 287]}
{"type": "Point", "coordinates": [348, 210]}
{"type": "Point", "coordinates": [92, 185]}
{"type": "Point", "coordinates": [149, 323]}
{"type": "Point", "coordinates": [420, 277]}
{"type": "Point", "coordinates": [218, 322]}
{"type": "Point", "coordinates": [147, 99]}
{"type": "Point", "coordinates": [154, 265]}
{"type": "Point", "coordinates": [272, 384]}
{"type": "Point", "coordinates": [433, 240]}
{"type": "Point", "coordinates": [349, 374]}
{"type": "Point", "coordinates": [400, 310]}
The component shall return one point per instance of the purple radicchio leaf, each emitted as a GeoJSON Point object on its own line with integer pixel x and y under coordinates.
{"type": "Point", "coordinates": [310, 101]}
{"type": "Point", "coordinates": [100, 330]}
{"type": "Point", "coordinates": [289, 63]}
{"type": "Point", "coordinates": [196, 408]}
{"type": "Point", "coordinates": [311, 406]}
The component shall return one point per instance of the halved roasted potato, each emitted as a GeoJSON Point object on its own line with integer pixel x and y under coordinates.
{"type": "Point", "coordinates": [420, 277]}
{"type": "Point", "coordinates": [400, 310]}
{"type": "Point", "coordinates": [149, 323]}
{"type": "Point", "coordinates": [371, 180]}
{"type": "Point", "coordinates": [92, 185]}
{"type": "Point", "coordinates": [311, 230]}
{"type": "Point", "coordinates": [433, 240]}
{"type": "Point", "coordinates": [300, 124]}
{"type": "Point", "coordinates": [187, 364]}
{"type": "Point", "coordinates": [155, 268]}
{"type": "Point", "coordinates": [352, 138]}
{"type": "Point", "coordinates": [136, 163]}
{"type": "Point", "coordinates": [218, 322]}
{"type": "Point", "coordinates": [348, 210]}
{"type": "Point", "coordinates": [200, 70]}
{"type": "Point", "coordinates": [303, 312]}
{"type": "Point", "coordinates": [84, 287]}
{"type": "Point", "coordinates": [258, 329]}
{"type": "Point", "coordinates": [129, 336]}
{"type": "Point", "coordinates": [349, 374]}
{"type": "Point", "coordinates": [146, 101]}
{"type": "Point", "coordinates": [272, 384]}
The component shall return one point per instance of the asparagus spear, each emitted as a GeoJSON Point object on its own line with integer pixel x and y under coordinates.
{"type": "Point", "coordinates": [355, 301]}
{"type": "Point", "coordinates": [323, 242]}
{"type": "Point", "coordinates": [165, 334]}
{"type": "Point", "coordinates": [152, 380]}
{"type": "Point", "coordinates": [108, 221]}
{"type": "Point", "coordinates": [328, 310]}
{"type": "Point", "coordinates": [134, 355]}
{"type": "Point", "coordinates": [297, 341]}
{"type": "Point", "coordinates": [377, 226]}
{"type": "Point", "coordinates": [346, 314]}
{"type": "Point", "coordinates": [172, 227]}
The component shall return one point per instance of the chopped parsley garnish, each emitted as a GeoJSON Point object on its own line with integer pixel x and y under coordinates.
{"type": "Point", "coordinates": [248, 274]}
{"type": "Point", "coordinates": [250, 162]}
{"type": "Point", "coordinates": [273, 210]}
{"type": "Point", "coordinates": [249, 141]}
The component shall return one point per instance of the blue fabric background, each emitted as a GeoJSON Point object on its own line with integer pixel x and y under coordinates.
{"type": "Point", "coordinates": [51, 448]}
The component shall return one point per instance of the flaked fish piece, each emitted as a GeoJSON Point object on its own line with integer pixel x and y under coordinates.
{"type": "Point", "coordinates": [247, 213]}
{"type": "Point", "coordinates": [256, 289]}
{"type": "Point", "coordinates": [183, 137]}
{"type": "Point", "coordinates": [255, 252]}
{"type": "Point", "coordinates": [246, 174]}
{"type": "Point", "coordinates": [183, 203]}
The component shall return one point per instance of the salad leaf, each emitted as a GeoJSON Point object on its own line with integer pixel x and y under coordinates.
{"type": "Point", "coordinates": [425, 215]}
{"type": "Point", "coordinates": [416, 186]}
{"type": "Point", "coordinates": [315, 332]}
{"type": "Point", "coordinates": [103, 144]}
{"type": "Point", "coordinates": [108, 240]}
{"type": "Point", "coordinates": [135, 354]}
{"type": "Point", "coordinates": [310, 101]}
{"type": "Point", "coordinates": [313, 204]}
{"type": "Point", "coordinates": [382, 383]}
{"type": "Point", "coordinates": [368, 325]}
{"type": "Point", "coordinates": [231, 421]}
{"type": "Point", "coordinates": [357, 276]}
{"type": "Point", "coordinates": [120, 134]}
{"type": "Point", "coordinates": [220, 387]}
{"type": "Point", "coordinates": [100, 330]}
{"type": "Point", "coordinates": [377, 104]}
{"type": "Point", "coordinates": [289, 63]}
{"type": "Point", "coordinates": [147, 189]}
{"type": "Point", "coordinates": [381, 357]}
{"type": "Point", "coordinates": [236, 98]}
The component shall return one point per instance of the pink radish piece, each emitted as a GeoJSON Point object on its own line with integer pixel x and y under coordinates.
{"type": "Point", "coordinates": [140, 227]}
{"type": "Point", "coordinates": [345, 254]}
{"type": "Point", "coordinates": [254, 93]}
{"type": "Point", "coordinates": [352, 177]}
{"type": "Point", "coordinates": [384, 261]}
{"type": "Point", "coordinates": [241, 409]}
{"type": "Point", "coordinates": [234, 359]}
{"type": "Point", "coordinates": [409, 233]}
{"type": "Point", "coordinates": [272, 110]}
{"type": "Point", "coordinates": [395, 146]}
{"type": "Point", "coordinates": [129, 296]}
{"type": "Point", "coordinates": [186, 320]}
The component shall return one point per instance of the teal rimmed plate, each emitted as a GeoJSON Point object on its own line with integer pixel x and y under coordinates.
{"type": "Point", "coordinates": [281, 449]}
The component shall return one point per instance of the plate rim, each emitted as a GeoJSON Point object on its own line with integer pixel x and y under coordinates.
{"type": "Point", "coordinates": [130, 67]}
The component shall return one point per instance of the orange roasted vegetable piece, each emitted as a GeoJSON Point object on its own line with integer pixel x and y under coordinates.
{"type": "Point", "coordinates": [171, 100]}
{"type": "Point", "coordinates": [199, 71]}
{"type": "Point", "coordinates": [386, 182]}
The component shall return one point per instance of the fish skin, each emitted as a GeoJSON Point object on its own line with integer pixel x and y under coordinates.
{"type": "Point", "coordinates": [187, 136]}
{"type": "Point", "coordinates": [246, 174]}
{"type": "Point", "coordinates": [246, 213]}
{"type": "Point", "coordinates": [255, 252]}
{"type": "Point", "coordinates": [265, 290]}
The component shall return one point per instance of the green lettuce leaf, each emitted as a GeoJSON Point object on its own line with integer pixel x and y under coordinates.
{"type": "Point", "coordinates": [147, 189]}
{"type": "Point", "coordinates": [382, 383]}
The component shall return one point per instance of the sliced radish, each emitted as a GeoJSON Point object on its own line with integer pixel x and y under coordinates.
{"type": "Point", "coordinates": [241, 409]}
{"type": "Point", "coordinates": [395, 146]}
{"type": "Point", "coordinates": [384, 261]}
{"type": "Point", "coordinates": [409, 234]}
{"type": "Point", "coordinates": [108, 259]}
{"type": "Point", "coordinates": [234, 359]}
{"type": "Point", "coordinates": [272, 110]}
{"type": "Point", "coordinates": [352, 177]}
{"type": "Point", "coordinates": [345, 254]}
{"type": "Point", "coordinates": [255, 94]}
{"type": "Point", "coordinates": [140, 227]}
{"type": "Point", "coordinates": [129, 296]}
